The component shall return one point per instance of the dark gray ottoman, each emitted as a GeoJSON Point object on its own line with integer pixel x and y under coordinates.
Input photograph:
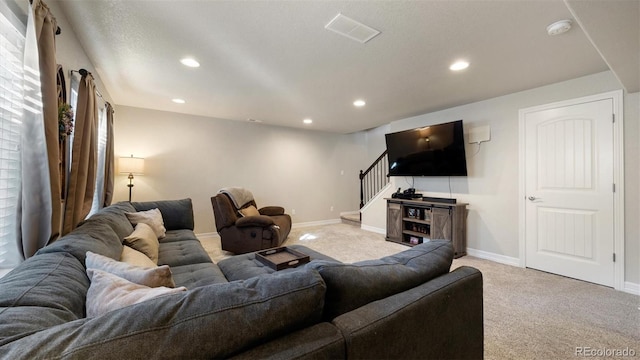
{"type": "Point", "coordinates": [245, 266]}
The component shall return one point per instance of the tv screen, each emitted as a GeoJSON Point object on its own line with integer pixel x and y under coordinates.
{"type": "Point", "coordinates": [435, 150]}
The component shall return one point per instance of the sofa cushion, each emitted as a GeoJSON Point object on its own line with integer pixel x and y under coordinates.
{"type": "Point", "coordinates": [177, 214]}
{"type": "Point", "coordinates": [43, 291]}
{"type": "Point", "coordinates": [155, 276]}
{"type": "Point", "coordinates": [178, 235]}
{"type": "Point", "coordinates": [350, 286]}
{"type": "Point", "coordinates": [152, 217]}
{"type": "Point", "coordinates": [245, 266]}
{"type": "Point", "coordinates": [192, 276]}
{"type": "Point", "coordinates": [215, 321]}
{"type": "Point", "coordinates": [109, 292]}
{"type": "Point", "coordinates": [144, 239]}
{"type": "Point", "coordinates": [92, 236]}
{"type": "Point", "coordinates": [182, 253]}
{"type": "Point", "coordinates": [113, 215]}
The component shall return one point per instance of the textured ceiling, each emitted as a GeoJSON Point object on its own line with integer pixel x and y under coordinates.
{"type": "Point", "coordinates": [273, 60]}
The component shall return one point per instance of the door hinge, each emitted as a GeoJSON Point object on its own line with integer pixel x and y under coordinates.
{"type": "Point", "coordinates": [614, 257]}
{"type": "Point", "coordinates": [613, 118]}
{"type": "Point", "coordinates": [614, 187]}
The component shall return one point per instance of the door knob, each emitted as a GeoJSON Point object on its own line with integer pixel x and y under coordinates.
{"type": "Point", "coordinates": [532, 198]}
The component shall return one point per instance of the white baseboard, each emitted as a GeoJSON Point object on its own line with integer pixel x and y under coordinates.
{"type": "Point", "coordinates": [316, 223]}
{"type": "Point", "coordinates": [354, 212]}
{"type": "Point", "coordinates": [209, 235]}
{"type": "Point", "coordinates": [502, 259]}
{"type": "Point", "coordinates": [374, 229]}
{"type": "Point", "coordinates": [631, 288]}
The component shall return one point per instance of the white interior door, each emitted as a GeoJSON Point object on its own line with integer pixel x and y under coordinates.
{"type": "Point", "coordinates": [569, 173]}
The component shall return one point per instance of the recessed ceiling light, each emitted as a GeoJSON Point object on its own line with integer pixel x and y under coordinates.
{"type": "Point", "coordinates": [190, 62]}
{"type": "Point", "coordinates": [359, 103]}
{"type": "Point", "coordinates": [307, 121]}
{"type": "Point", "coordinates": [178, 101]}
{"type": "Point", "coordinates": [459, 65]}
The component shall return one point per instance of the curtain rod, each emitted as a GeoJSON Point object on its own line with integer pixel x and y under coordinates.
{"type": "Point", "coordinates": [58, 30]}
{"type": "Point", "coordinates": [84, 72]}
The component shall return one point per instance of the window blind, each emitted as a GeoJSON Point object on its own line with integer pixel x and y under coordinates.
{"type": "Point", "coordinates": [12, 41]}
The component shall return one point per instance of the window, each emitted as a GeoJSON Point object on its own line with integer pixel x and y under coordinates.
{"type": "Point", "coordinates": [12, 41]}
{"type": "Point", "coordinates": [98, 193]}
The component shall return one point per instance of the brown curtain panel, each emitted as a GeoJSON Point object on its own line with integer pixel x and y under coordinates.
{"type": "Point", "coordinates": [46, 27]}
{"type": "Point", "coordinates": [108, 161]}
{"type": "Point", "coordinates": [84, 156]}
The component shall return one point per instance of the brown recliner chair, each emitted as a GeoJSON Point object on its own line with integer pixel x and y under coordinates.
{"type": "Point", "coordinates": [256, 229]}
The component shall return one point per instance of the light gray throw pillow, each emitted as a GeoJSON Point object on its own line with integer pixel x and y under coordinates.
{"type": "Point", "coordinates": [109, 292]}
{"type": "Point", "coordinates": [148, 276]}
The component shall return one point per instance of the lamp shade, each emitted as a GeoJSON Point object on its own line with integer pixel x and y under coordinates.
{"type": "Point", "coordinates": [131, 165]}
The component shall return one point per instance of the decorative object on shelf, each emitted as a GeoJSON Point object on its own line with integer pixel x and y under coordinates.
{"type": "Point", "coordinates": [132, 166]}
{"type": "Point", "coordinates": [65, 121]}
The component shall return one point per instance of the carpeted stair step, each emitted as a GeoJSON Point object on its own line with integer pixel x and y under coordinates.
{"type": "Point", "coordinates": [351, 219]}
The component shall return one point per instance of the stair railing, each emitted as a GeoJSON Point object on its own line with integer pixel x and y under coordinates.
{"type": "Point", "coordinates": [374, 178]}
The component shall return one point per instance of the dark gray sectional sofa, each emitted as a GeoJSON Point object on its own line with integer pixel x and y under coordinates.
{"type": "Point", "coordinates": [404, 306]}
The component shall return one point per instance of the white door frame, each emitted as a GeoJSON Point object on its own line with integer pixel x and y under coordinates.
{"type": "Point", "coordinates": [618, 177]}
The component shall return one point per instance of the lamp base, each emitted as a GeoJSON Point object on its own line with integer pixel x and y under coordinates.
{"type": "Point", "coordinates": [130, 185]}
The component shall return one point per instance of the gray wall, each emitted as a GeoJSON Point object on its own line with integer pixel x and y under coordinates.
{"type": "Point", "coordinates": [192, 156]}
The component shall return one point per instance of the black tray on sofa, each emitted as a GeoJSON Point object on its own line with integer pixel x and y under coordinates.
{"type": "Point", "coordinates": [282, 258]}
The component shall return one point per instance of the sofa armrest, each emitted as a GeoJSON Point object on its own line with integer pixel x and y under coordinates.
{"type": "Point", "coordinates": [176, 214]}
{"type": "Point", "coordinates": [259, 220]}
{"type": "Point", "coordinates": [439, 319]}
{"type": "Point", "coordinates": [320, 341]}
{"type": "Point", "coordinates": [271, 210]}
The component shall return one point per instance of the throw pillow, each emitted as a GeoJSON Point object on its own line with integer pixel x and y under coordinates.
{"type": "Point", "coordinates": [350, 286]}
{"type": "Point", "coordinates": [109, 292]}
{"type": "Point", "coordinates": [144, 240]}
{"type": "Point", "coordinates": [249, 211]}
{"type": "Point", "coordinates": [134, 257]}
{"type": "Point", "coordinates": [152, 218]}
{"type": "Point", "coordinates": [154, 276]}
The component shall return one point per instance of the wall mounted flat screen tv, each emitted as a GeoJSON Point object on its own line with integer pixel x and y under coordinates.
{"type": "Point", "coordinates": [435, 150]}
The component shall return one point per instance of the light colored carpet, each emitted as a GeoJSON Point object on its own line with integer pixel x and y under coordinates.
{"type": "Point", "coordinates": [528, 314]}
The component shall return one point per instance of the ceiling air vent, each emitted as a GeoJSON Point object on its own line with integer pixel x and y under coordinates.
{"type": "Point", "coordinates": [352, 29]}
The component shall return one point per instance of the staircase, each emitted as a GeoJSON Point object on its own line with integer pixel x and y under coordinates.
{"type": "Point", "coordinates": [372, 181]}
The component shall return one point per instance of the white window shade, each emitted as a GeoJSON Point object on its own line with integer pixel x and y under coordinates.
{"type": "Point", "coordinates": [11, 111]}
